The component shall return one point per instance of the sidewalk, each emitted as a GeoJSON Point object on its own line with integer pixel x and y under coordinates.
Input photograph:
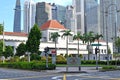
{"type": "Point", "coordinates": [73, 70]}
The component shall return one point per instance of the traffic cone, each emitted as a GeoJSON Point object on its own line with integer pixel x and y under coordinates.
{"type": "Point", "coordinates": [64, 77]}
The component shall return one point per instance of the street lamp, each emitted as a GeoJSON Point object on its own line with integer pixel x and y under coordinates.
{"type": "Point", "coordinates": [107, 9]}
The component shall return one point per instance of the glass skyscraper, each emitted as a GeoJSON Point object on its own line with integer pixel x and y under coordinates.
{"type": "Point", "coordinates": [83, 15]}
{"type": "Point", "coordinates": [17, 17]}
{"type": "Point", "coordinates": [29, 15]}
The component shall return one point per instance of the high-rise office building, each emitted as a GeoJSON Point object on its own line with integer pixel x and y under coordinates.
{"type": "Point", "coordinates": [79, 15]}
{"type": "Point", "coordinates": [17, 17]}
{"type": "Point", "coordinates": [58, 13]}
{"type": "Point", "coordinates": [54, 11]}
{"type": "Point", "coordinates": [82, 8]}
{"type": "Point", "coordinates": [70, 19]}
{"type": "Point", "coordinates": [43, 13]}
{"type": "Point", "coordinates": [109, 18]}
{"type": "Point", "coordinates": [29, 15]}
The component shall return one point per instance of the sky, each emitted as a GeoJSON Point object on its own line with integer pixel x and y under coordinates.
{"type": "Point", "coordinates": [7, 11]}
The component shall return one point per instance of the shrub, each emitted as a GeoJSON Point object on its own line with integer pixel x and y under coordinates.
{"type": "Point", "coordinates": [109, 68]}
{"type": "Point", "coordinates": [23, 59]}
{"type": "Point", "coordinates": [43, 59]}
{"type": "Point", "coordinates": [60, 60]}
{"type": "Point", "coordinates": [35, 57]}
{"type": "Point", "coordinates": [29, 66]}
{"type": "Point", "coordinates": [14, 59]}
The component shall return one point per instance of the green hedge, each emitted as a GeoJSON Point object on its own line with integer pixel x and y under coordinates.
{"type": "Point", "coordinates": [110, 68]}
{"type": "Point", "coordinates": [28, 65]}
{"type": "Point", "coordinates": [91, 62]}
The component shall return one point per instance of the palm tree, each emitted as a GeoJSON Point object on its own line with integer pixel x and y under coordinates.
{"type": "Point", "coordinates": [54, 37]}
{"type": "Point", "coordinates": [78, 37]}
{"type": "Point", "coordinates": [67, 34]}
{"type": "Point", "coordinates": [97, 37]}
{"type": "Point", "coordinates": [89, 38]}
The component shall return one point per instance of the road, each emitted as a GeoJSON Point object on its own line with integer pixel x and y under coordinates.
{"type": "Point", "coordinates": [14, 74]}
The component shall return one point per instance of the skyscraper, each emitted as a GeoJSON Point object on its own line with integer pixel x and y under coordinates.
{"type": "Point", "coordinates": [17, 17]}
{"type": "Point", "coordinates": [82, 8]}
{"type": "Point", "coordinates": [70, 19]}
{"type": "Point", "coordinates": [29, 15]}
{"type": "Point", "coordinates": [43, 13]}
{"type": "Point", "coordinates": [109, 19]}
{"type": "Point", "coordinates": [58, 13]}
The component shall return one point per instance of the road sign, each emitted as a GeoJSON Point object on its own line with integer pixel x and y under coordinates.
{"type": "Point", "coordinates": [96, 45]}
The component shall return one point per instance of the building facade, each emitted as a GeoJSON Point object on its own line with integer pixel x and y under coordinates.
{"type": "Point", "coordinates": [43, 13]}
{"type": "Point", "coordinates": [70, 19]}
{"type": "Point", "coordinates": [82, 18]}
{"type": "Point", "coordinates": [51, 26]}
{"type": "Point", "coordinates": [17, 17]}
{"type": "Point", "coordinates": [58, 13]}
{"type": "Point", "coordinates": [109, 19]}
{"type": "Point", "coordinates": [29, 15]}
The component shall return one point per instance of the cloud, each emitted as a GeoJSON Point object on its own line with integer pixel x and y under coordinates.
{"type": "Point", "coordinates": [60, 2]}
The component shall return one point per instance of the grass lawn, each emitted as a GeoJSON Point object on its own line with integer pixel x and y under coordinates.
{"type": "Point", "coordinates": [84, 65]}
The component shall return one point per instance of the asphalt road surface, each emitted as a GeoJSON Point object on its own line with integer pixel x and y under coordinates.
{"type": "Point", "coordinates": [14, 74]}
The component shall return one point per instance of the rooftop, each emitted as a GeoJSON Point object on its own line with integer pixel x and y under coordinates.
{"type": "Point", "coordinates": [52, 24]}
{"type": "Point", "coordinates": [16, 34]}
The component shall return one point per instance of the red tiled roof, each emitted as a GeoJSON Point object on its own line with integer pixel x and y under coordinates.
{"type": "Point", "coordinates": [15, 34]}
{"type": "Point", "coordinates": [52, 24]}
{"type": "Point", "coordinates": [100, 40]}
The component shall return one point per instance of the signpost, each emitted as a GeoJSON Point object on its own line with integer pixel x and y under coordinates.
{"type": "Point", "coordinates": [53, 52]}
{"type": "Point", "coordinates": [46, 50]}
{"type": "Point", "coordinates": [73, 61]}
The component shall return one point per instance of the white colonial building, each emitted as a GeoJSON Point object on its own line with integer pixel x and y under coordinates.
{"type": "Point", "coordinates": [14, 39]}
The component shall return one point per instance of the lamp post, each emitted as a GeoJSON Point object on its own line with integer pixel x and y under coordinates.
{"type": "Point", "coordinates": [107, 9]}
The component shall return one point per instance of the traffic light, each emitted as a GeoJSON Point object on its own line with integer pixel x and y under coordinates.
{"type": "Point", "coordinates": [46, 49]}
{"type": "Point", "coordinates": [96, 50]}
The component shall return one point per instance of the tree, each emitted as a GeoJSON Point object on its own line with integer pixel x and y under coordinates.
{"type": "Point", "coordinates": [1, 28]}
{"type": "Point", "coordinates": [77, 37]}
{"type": "Point", "coordinates": [1, 47]}
{"type": "Point", "coordinates": [1, 32]}
{"type": "Point", "coordinates": [117, 42]}
{"type": "Point", "coordinates": [33, 42]}
{"type": "Point", "coordinates": [54, 37]}
{"type": "Point", "coordinates": [89, 38]}
{"type": "Point", "coordinates": [8, 51]}
{"type": "Point", "coordinates": [97, 37]}
{"type": "Point", "coordinates": [67, 34]}
{"type": "Point", "coordinates": [21, 49]}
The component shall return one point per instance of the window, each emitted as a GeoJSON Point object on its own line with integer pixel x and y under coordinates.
{"type": "Point", "coordinates": [93, 58]}
{"type": "Point", "coordinates": [49, 36]}
{"type": "Point", "coordinates": [104, 51]}
{"type": "Point", "coordinates": [78, 21]}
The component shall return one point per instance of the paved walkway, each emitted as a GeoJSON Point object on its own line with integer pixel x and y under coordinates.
{"type": "Point", "coordinates": [73, 69]}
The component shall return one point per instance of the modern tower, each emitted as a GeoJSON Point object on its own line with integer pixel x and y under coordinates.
{"type": "Point", "coordinates": [81, 8]}
{"type": "Point", "coordinates": [58, 13]}
{"type": "Point", "coordinates": [70, 19]}
{"type": "Point", "coordinates": [29, 15]}
{"type": "Point", "coordinates": [43, 13]}
{"type": "Point", "coordinates": [17, 17]}
{"type": "Point", "coordinates": [110, 19]}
